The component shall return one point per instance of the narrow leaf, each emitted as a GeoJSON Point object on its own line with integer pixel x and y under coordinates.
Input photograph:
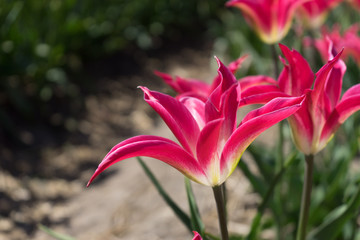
{"type": "Point", "coordinates": [196, 221]}
{"type": "Point", "coordinates": [54, 234]}
{"type": "Point", "coordinates": [331, 228]}
{"type": "Point", "coordinates": [178, 212]}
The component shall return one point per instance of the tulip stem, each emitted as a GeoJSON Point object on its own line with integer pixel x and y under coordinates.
{"type": "Point", "coordinates": [275, 59]}
{"type": "Point", "coordinates": [220, 205]}
{"type": "Point", "coordinates": [306, 196]}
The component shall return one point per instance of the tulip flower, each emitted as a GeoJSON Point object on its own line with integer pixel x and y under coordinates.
{"type": "Point", "coordinates": [271, 19]}
{"type": "Point", "coordinates": [315, 12]}
{"type": "Point", "coordinates": [210, 141]}
{"type": "Point", "coordinates": [322, 111]}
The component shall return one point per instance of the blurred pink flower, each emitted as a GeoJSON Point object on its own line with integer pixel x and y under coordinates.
{"type": "Point", "coordinates": [271, 19]}
{"type": "Point", "coordinates": [194, 87]}
{"type": "Point", "coordinates": [210, 141]}
{"type": "Point", "coordinates": [314, 13]}
{"type": "Point", "coordinates": [349, 41]}
{"type": "Point", "coordinates": [355, 3]}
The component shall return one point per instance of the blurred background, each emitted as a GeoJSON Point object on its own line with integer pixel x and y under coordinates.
{"type": "Point", "coordinates": [69, 71]}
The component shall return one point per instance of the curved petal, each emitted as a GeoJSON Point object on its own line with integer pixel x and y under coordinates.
{"type": "Point", "coordinates": [302, 127]}
{"type": "Point", "coordinates": [182, 85]}
{"type": "Point", "coordinates": [169, 81]}
{"type": "Point", "coordinates": [176, 116]}
{"type": "Point", "coordinates": [193, 85]}
{"type": "Point", "coordinates": [226, 80]}
{"type": "Point", "coordinates": [322, 76]}
{"type": "Point", "coordinates": [208, 150]}
{"type": "Point", "coordinates": [297, 75]}
{"type": "Point", "coordinates": [252, 126]}
{"type": "Point", "coordinates": [277, 104]}
{"type": "Point", "coordinates": [235, 65]}
{"type": "Point", "coordinates": [260, 94]}
{"type": "Point", "coordinates": [196, 108]}
{"type": "Point", "coordinates": [251, 81]}
{"type": "Point", "coordinates": [156, 147]}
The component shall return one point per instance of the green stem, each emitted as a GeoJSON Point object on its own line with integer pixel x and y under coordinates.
{"type": "Point", "coordinates": [306, 196]}
{"type": "Point", "coordinates": [275, 59]}
{"type": "Point", "coordinates": [220, 205]}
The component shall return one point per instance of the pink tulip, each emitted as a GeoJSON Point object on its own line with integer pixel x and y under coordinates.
{"type": "Point", "coordinates": [349, 40]}
{"type": "Point", "coordinates": [271, 19]}
{"type": "Point", "coordinates": [196, 236]}
{"type": "Point", "coordinates": [314, 12]}
{"type": "Point", "coordinates": [322, 111]}
{"type": "Point", "coordinates": [210, 141]}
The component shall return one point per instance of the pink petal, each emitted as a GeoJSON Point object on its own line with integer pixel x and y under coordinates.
{"type": "Point", "coordinates": [156, 147]}
{"type": "Point", "coordinates": [169, 81]}
{"type": "Point", "coordinates": [182, 85]}
{"type": "Point", "coordinates": [227, 79]}
{"type": "Point", "coordinates": [196, 108]}
{"type": "Point", "coordinates": [196, 236]}
{"type": "Point", "coordinates": [260, 94]}
{"type": "Point", "coordinates": [297, 75]}
{"type": "Point", "coordinates": [207, 149]}
{"type": "Point", "coordinates": [322, 76]}
{"type": "Point", "coordinates": [252, 126]}
{"type": "Point", "coordinates": [277, 104]}
{"type": "Point", "coordinates": [302, 126]}
{"type": "Point", "coordinates": [258, 80]}
{"type": "Point", "coordinates": [176, 116]}
{"type": "Point", "coordinates": [193, 85]}
{"type": "Point", "coordinates": [235, 65]}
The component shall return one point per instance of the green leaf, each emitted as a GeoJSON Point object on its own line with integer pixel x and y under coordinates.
{"type": "Point", "coordinates": [54, 234]}
{"type": "Point", "coordinates": [336, 220]}
{"type": "Point", "coordinates": [177, 210]}
{"type": "Point", "coordinates": [196, 221]}
{"type": "Point", "coordinates": [267, 198]}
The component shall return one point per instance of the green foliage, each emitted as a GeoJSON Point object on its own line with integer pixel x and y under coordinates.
{"type": "Point", "coordinates": [43, 42]}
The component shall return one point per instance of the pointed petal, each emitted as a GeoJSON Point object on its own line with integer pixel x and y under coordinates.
{"type": "Point", "coordinates": [193, 85]}
{"type": "Point", "coordinates": [333, 86]}
{"type": "Point", "coordinates": [252, 126]}
{"type": "Point", "coordinates": [168, 80]}
{"type": "Point", "coordinates": [297, 75]}
{"type": "Point", "coordinates": [227, 79]}
{"type": "Point", "coordinates": [235, 65]}
{"type": "Point", "coordinates": [182, 85]}
{"type": "Point", "coordinates": [317, 96]}
{"type": "Point", "coordinates": [156, 147]}
{"type": "Point", "coordinates": [176, 116]}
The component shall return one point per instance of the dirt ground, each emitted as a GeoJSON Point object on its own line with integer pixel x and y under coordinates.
{"type": "Point", "coordinates": [121, 203]}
